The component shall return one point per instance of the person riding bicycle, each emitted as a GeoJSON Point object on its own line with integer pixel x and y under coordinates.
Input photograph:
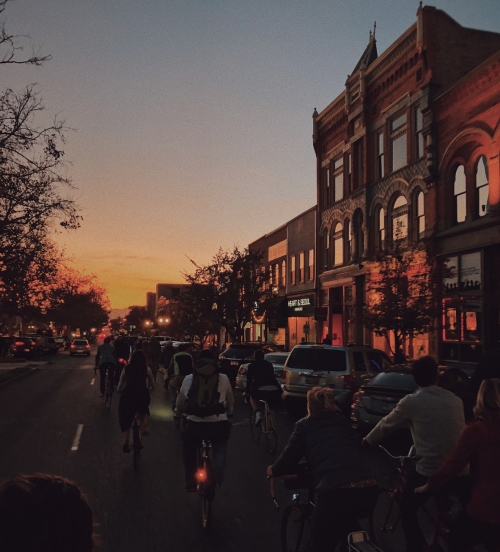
{"type": "Point", "coordinates": [135, 397]}
{"type": "Point", "coordinates": [262, 385]}
{"type": "Point", "coordinates": [122, 348]}
{"type": "Point", "coordinates": [180, 366]}
{"type": "Point", "coordinates": [436, 420]}
{"type": "Point", "coordinates": [344, 487]}
{"type": "Point", "coordinates": [207, 408]}
{"type": "Point", "coordinates": [105, 360]}
{"type": "Point", "coordinates": [479, 444]}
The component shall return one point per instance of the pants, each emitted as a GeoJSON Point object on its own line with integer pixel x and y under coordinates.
{"type": "Point", "coordinates": [336, 514]}
{"type": "Point", "coordinates": [466, 532]}
{"type": "Point", "coordinates": [102, 369]}
{"type": "Point", "coordinates": [411, 502]}
{"type": "Point", "coordinates": [218, 434]}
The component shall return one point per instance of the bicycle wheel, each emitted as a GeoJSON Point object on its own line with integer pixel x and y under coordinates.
{"type": "Point", "coordinates": [136, 437]}
{"type": "Point", "coordinates": [255, 430]}
{"type": "Point", "coordinates": [271, 434]}
{"type": "Point", "coordinates": [295, 529]}
{"type": "Point", "coordinates": [109, 393]}
{"type": "Point", "coordinates": [385, 521]}
{"type": "Point", "coordinates": [207, 492]}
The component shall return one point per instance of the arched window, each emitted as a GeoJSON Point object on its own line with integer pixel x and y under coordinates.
{"type": "Point", "coordinates": [380, 222]}
{"type": "Point", "coordinates": [338, 245]}
{"type": "Point", "coordinates": [459, 190]}
{"type": "Point", "coordinates": [400, 219]}
{"type": "Point", "coordinates": [348, 241]}
{"type": "Point", "coordinates": [326, 247]}
{"type": "Point", "coordinates": [482, 187]}
{"type": "Point", "coordinates": [419, 215]}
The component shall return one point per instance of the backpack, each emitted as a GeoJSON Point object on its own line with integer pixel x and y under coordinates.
{"type": "Point", "coordinates": [203, 396]}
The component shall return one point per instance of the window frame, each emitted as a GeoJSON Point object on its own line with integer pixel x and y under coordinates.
{"type": "Point", "coordinates": [394, 134]}
{"type": "Point", "coordinates": [418, 136]}
{"type": "Point", "coordinates": [293, 275]}
{"type": "Point", "coordinates": [380, 154]}
{"type": "Point", "coordinates": [311, 264]}
{"type": "Point", "coordinates": [477, 189]}
{"type": "Point", "coordinates": [302, 270]}
{"type": "Point", "coordinates": [419, 216]}
{"type": "Point", "coordinates": [338, 179]}
{"type": "Point", "coordinates": [396, 213]}
{"type": "Point", "coordinates": [338, 244]}
{"type": "Point", "coordinates": [459, 196]}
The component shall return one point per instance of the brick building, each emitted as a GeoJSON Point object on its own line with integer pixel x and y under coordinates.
{"type": "Point", "coordinates": [402, 158]}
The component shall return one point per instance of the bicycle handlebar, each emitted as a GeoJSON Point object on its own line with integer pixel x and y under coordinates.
{"type": "Point", "coordinates": [272, 482]}
{"type": "Point", "coordinates": [410, 456]}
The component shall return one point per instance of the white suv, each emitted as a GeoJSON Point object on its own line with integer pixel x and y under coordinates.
{"type": "Point", "coordinates": [343, 369]}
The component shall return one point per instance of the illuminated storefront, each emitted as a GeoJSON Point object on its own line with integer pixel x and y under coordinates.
{"type": "Point", "coordinates": [301, 324]}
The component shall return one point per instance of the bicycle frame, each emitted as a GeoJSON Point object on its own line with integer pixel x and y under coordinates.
{"type": "Point", "coordinates": [206, 482]}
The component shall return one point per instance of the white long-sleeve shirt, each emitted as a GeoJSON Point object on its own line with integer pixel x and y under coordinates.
{"type": "Point", "coordinates": [436, 420]}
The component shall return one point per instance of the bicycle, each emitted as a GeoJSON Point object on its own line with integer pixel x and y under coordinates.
{"type": "Point", "coordinates": [267, 427]}
{"type": "Point", "coordinates": [386, 515]}
{"type": "Point", "coordinates": [205, 478]}
{"type": "Point", "coordinates": [295, 532]}
{"type": "Point", "coordinates": [136, 440]}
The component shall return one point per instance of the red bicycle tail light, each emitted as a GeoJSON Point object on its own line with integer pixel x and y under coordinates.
{"type": "Point", "coordinates": [201, 475]}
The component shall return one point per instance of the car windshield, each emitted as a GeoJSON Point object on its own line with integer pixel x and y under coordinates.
{"type": "Point", "coordinates": [79, 342]}
{"type": "Point", "coordinates": [318, 360]}
{"type": "Point", "coordinates": [276, 359]}
{"type": "Point", "coordinates": [239, 352]}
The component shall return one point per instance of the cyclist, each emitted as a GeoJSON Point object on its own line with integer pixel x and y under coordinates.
{"type": "Point", "coordinates": [262, 385]}
{"type": "Point", "coordinates": [180, 366]}
{"type": "Point", "coordinates": [344, 487]}
{"type": "Point", "coordinates": [214, 427]}
{"type": "Point", "coordinates": [479, 444]}
{"type": "Point", "coordinates": [135, 396]}
{"type": "Point", "coordinates": [155, 348]}
{"type": "Point", "coordinates": [122, 348]}
{"type": "Point", "coordinates": [105, 360]}
{"type": "Point", "coordinates": [436, 420]}
{"type": "Point", "coordinates": [166, 357]}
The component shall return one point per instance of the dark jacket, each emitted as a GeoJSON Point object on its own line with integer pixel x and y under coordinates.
{"type": "Point", "coordinates": [328, 443]}
{"type": "Point", "coordinates": [260, 374]}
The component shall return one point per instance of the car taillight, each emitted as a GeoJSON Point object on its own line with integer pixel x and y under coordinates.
{"type": "Point", "coordinates": [87, 346]}
{"type": "Point", "coordinates": [73, 346]}
{"type": "Point", "coordinates": [348, 381]}
{"type": "Point", "coordinates": [242, 371]}
{"type": "Point", "coordinates": [19, 343]}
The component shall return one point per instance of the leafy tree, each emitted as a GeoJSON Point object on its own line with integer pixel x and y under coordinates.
{"type": "Point", "coordinates": [77, 301]}
{"type": "Point", "coordinates": [229, 291]}
{"type": "Point", "coordinates": [402, 296]}
{"type": "Point", "coordinates": [138, 316]}
{"type": "Point", "coordinates": [191, 321]}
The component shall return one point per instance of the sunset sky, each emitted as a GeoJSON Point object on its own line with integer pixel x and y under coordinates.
{"type": "Point", "coordinates": [193, 118]}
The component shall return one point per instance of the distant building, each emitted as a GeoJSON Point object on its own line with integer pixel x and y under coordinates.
{"type": "Point", "coordinates": [166, 302]}
{"type": "Point", "coordinates": [151, 301]}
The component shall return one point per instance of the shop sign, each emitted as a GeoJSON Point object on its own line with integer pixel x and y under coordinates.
{"type": "Point", "coordinates": [301, 306]}
{"type": "Point", "coordinates": [320, 313]}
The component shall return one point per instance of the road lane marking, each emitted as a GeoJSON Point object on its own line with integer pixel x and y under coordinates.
{"type": "Point", "coordinates": [93, 381]}
{"type": "Point", "coordinates": [78, 435]}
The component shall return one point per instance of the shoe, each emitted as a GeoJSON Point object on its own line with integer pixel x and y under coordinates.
{"type": "Point", "coordinates": [126, 448]}
{"type": "Point", "coordinates": [191, 487]}
{"type": "Point", "coordinates": [258, 419]}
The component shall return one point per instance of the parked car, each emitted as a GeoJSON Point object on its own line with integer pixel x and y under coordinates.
{"type": "Point", "coordinates": [379, 396]}
{"type": "Point", "coordinates": [343, 369]}
{"type": "Point", "coordinates": [59, 341]}
{"type": "Point", "coordinates": [237, 354]}
{"type": "Point", "coordinates": [47, 346]}
{"type": "Point", "coordinates": [79, 347]}
{"type": "Point", "coordinates": [23, 347]}
{"type": "Point", "coordinates": [53, 345]}
{"type": "Point", "coordinates": [276, 359]}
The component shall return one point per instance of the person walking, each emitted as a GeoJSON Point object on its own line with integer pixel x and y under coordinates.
{"type": "Point", "coordinates": [436, 420]}
{"type": "Point", "coordinates": [478, 445]}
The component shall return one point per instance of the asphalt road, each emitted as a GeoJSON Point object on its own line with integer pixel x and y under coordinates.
{"type": "Point", "coordinates": [145, 510]}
